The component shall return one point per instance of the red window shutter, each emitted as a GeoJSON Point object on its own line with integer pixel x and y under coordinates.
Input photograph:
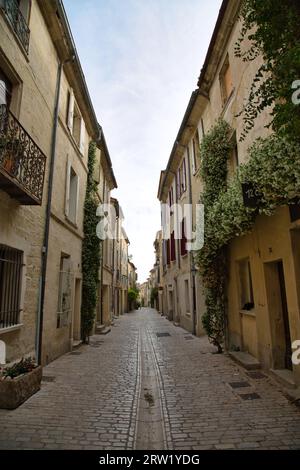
{"type": "Point", "coordinates": [184, 176]}
{"type": "Point", "coordinates": [168, 251]}
{"type": "Point", "coordinates": [183, 240]}
{"type": "Point", "coordinates": [179, 183]}
{"type": "Point", "coordinates": [173, 252]}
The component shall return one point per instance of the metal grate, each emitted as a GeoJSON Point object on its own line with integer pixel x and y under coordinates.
{"type": "Point", "coordinates": [249, 396]}
{"type": "Point", "coordinates": [239, 384]}
{"type": "Point", "coordinates": [48, 378]}
{"type": "Point", "coordinates": [162, 335]}
{"type": "Point", "coordinates": [10, 286]}
{"type": "Point", "coordinates": [189, 337]}
{"type": "Point", "coordinates": [256, 375]}
{"type": "Point", "coordinates": [22, 163]}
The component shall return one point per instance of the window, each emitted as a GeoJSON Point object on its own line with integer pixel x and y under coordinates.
{"type": "Point", "coordinates": [195, 152]}
{"type": "Point", "coordinates": [75, 122]}
{"type": "Point", "coordinates": [181, 179]}
{"type": "Point", "coordinates": [11, 263]}
{"type": "Point", "coordinates": [5, 89]}
{"type": "Point", "coordinates": [183, 183]}
{"type": "Point", "coordinates": [64, 292]}
{"type": "Point", "coordinates": [72, 194]}
{"type": "Point", "coordinates": [76, 125]}
{"type": "Point", "coordinates": [187, 296]}
{"type": "Point", "coordinates": [183, 240]}
{"type": "Point", "coordinates": [171, 197]}
{"type": "Point", "coordinates": [24, 6]}
{"type": "Point", "coordinates": [246, 289]}
{"type": "Point", "coordinates": [226, 81]}
{"type": "Point", "coordinates": [172, 251]}
{"type": "Point", "coordinates": [17, 12]}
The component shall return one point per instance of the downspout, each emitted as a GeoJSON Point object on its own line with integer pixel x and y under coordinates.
{"type": "Point", "coordinates": [178, 261]}
{"type": "Point", "coordinates": [113, 278]}
{"type": "Point", "coordinates": [192, 267]}
{"type": "Point", "coordinates": [102, 254]}
{"type": "Point", "coordinates": [39, 340]}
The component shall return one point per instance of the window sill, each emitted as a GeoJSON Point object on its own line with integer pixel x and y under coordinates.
{"type": "Point", "coordinates": [248, 313]}
{"type": "Point", "coordinates": [71, 222]}
{"type": "Point", "coordinates": [10, 328]}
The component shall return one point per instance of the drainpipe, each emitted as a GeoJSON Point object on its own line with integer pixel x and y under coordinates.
{"type": "Point", "coordinates": [192, 267]}
{"type": "Point", "coordinates": [102, 255]}
{"type": "Point", "coordinates": [39, 340]}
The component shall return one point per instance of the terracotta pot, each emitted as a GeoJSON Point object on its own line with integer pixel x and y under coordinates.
{"type": "Point", "coordinates": [15, 391]}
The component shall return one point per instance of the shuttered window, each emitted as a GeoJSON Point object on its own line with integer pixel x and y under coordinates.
{"type": "Point", "coordinates": [183, 240]}
{"type": "Point", "coordinates": [5, 89]}
{"type": "Point", "coordinates": [11, 262]}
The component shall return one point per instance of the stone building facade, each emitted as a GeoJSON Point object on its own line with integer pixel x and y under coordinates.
{"type": "Point", "coordinates": [47, 121]}
{"type": "Point", "coordinates": [263, 294]}
{"type": "Point", "coordinates": [179, 190]}
{"type": "Point", "coordinates": [25, 133]}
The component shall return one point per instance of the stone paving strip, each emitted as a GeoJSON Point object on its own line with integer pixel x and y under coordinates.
{"type": "Point", "coordinates": [149, 374]}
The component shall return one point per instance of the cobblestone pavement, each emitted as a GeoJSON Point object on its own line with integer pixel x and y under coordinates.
{"type": "Point", "coordinates": [91, 400]}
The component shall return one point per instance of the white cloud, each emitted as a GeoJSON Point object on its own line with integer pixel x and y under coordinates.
{"type": "Point", "coordinates": [141, 59]}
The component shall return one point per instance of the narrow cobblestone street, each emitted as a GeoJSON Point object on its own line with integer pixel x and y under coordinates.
{"type": "Point", "coordinates": [135, 388]}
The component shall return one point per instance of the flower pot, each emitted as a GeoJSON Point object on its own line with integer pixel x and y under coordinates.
{"type": "Point", "coordinates": [12, 154]}
{"type": "Point", "coordinates": [15, 391]}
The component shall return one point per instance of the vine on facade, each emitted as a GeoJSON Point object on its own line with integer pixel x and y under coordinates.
{"type": "Point", "coordinates": [214, 152]}
{"type": "Point", "coordinates": [273, 163]}
{"type": "Point", "coordinates": [271, 27]}
{"type": "Point", "coordinates": [273, 167]}
{"type": "Point", "coordinates": [90, 250]}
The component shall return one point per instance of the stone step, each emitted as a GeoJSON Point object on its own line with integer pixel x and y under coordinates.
{"type": "Point", "coordinates": [102, 329]}
{"type": "Point", "coordinates": [76, 344]}
{"type": "Point", "coordinates": [245, 359]}
{"type": "Point", "coordinates": [285, 377]}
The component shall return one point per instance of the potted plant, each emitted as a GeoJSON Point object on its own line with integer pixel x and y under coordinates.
{"type": "Point", "coordinates": [11, 152]}
{"type": "Point", "coordinates": [19, 382]}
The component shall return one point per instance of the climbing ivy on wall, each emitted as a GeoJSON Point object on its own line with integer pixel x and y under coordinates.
{"type": "Point", "coordinates": [270, 29]}
{"type": "Point", "coordinates": [90, 250]}
{"type": "Point", "coordinates": [214, 151]}
{"type": "Point", "coordinates": [273, 167]}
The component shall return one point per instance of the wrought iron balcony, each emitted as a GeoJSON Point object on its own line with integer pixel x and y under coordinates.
{"type": "Point", "coordinates": [22, 163]}
{"type": "Point", "coordinates": [12, 11]}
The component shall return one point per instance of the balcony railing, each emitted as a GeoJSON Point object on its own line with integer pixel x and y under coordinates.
{"type": "Point", "coordinates": [22, 163]}
{"type": "Point", "coordinates": [17, 20]}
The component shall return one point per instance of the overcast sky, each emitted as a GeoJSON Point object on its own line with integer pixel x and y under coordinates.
{"type": "Point", "coordinates": [141, 59]}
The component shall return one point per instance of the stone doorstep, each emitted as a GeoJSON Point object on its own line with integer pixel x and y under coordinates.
{"type": "Point", "coordinates": [76, 344]}
{"type": "Point", "coordinates": [245, 359]}
{"type": "Point", "coordinates": [102, 329]}
{"type": "Point", "coordinates": [285, 377]}
{"type": "Point", "coordinates": [293, 394]}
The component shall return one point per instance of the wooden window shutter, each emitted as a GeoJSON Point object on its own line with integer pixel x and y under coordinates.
{"type": "Point", "coordinates": [184, 175]}
{"type": "Point", "coordinates": [82, 136]}
{"type": "Point", "coordinates": [71, 111]}
{"type": "Point", "coordinates": [67, 196]}
{"type": "Point", "coordinates": [77, 201]}
{"type": "Point", "coordinates": [183, 240]}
